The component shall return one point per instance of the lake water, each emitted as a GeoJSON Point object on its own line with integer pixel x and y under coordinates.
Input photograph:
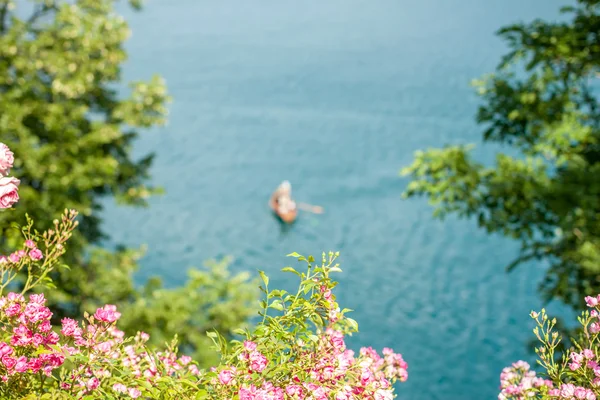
{"type": "Point", "coordinates": [335, 96]}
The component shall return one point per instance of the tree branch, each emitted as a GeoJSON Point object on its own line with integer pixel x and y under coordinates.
{"type": "Point", "coordinates": [3, 11]}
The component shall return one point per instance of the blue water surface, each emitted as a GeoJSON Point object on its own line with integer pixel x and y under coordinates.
{"type": "Point", "coordinates": [335, 96]}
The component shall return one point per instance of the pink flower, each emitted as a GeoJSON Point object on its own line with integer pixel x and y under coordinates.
{"type": "Point", "coordinates": [30, 243]}
{"type": "Point", "coordinates": [185, 360]}
{"type": "Point", "coordinates": [294, 390]}
{"type": "Point", "coordinates": [93, 383]}
{"type": "Point", "coordinates": [249, 346]}
{"type": "Point", "coordinates": [258, 362]}
{"type": "Point", "coordinates": [337, 340]}
{"type": "Point", "coordinates": [9, 362]}
{"type": "Point", "coordinates": [104, 347]}
{"type": "Point", "coordinates": [580, 393]}
{"type": "Point", "coordinates": [134, 393]}
{"type": "Point", "coordinates": [226, 377]}
{"type": "Point", "coordinates": [37, 339]}
{"type": "Point", "coordinates": [45, 326]}
{"type": "Point", "coordinates": [52, 338]}
{"type": "Point", "coordinates": [120, 388]}
{"type": "Point", "coordinates": [5, 349]}
{"type": "Point", "coordinates": [3, 260]}
{"type": "Point", "coordinates": [567, 390]}
{"type": "Point", "coordinates": [591, 301]}
{"type": "Point", "coordinates": [589, 354]}
{"type": "Point", "coordinates": [34, 364]}
{"type": "Point", "coordinates": [37, 299]}
{"type": "Point", "coordinates": [594, 327]}
{"type": "Point", "coordinates": [577, 359]}
{"type": "Point", "coordinates": [70, 327]}
{"type": "Point", "coordinates": [14, 257]}
{"type": "Point", "coordinates": [36, 254]}
{"type": "Point", "coordinates": [108, 313]}
{"type": "Point", "coordinates": [13, 310]}
{"type": "Point", "coordinates": [7, 159]}
{"type": "Point", "coordinates": [381, 394]}
{"type": "Point", "coordinates": [9, 191]}
{"type": "Point", "coordinates": [21, 365]}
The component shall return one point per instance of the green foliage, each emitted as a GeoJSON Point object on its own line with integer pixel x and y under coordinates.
{"type": "Point", "coordinates": [71, 124]}
{"type": "Point", "coordinates": [540, 102]}
{"type": "Point", "coordinates": [210, 300]}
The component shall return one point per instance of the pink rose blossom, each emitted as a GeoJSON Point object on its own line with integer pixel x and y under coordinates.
{"type": "Point", "coordinates": [384, 395]}
{"type": "Point", "coordinates": [34, 364]}
{"type": "Point", "coordinates": [9, 191]}
{"type": "Point", "coordinates": [70, 327]}
{"type": "Point", "coordinates": [185, 360]}
{"type": "Point", "coordinates": [249, 346]}
{"type": "Point", "coordinates": [567, 390]}
{"type": "Point", "coordinates": [6, 159]}
{"type": "Point", "coordinates": [52, 338]}
{"type": "Point", "coordinates": [9, 362]}
{"type": "Point", "coordinates": [134, 393]}
{"type": "Point", "coordinates": [108, 313]}
{"type": "Point", "coordinates": [21, 365]}
{"type": "Point", "coordinates": [591, 301]}
{"type": "Point", "coordinates": [93, 383]}
{"type": "Point", "coordinates": [258, 362]}
{"type": "Point", "coordinates": [13, 310]}
{"type": "Point", "coordinates": [294, 390]}
{"type": "Point", "coordinates": [588, 354]}
{"type": "Point", "coordinates": [226, 377]}
{"type": "Point", "coordinates": [36, 254]}
{"type": "Point", "coordinates": [5, 350]}
{"type": "Point", "coordinates": [120, 388]}
{"type": "Point", "coordinates": [14, 257]}
{"type": "Point", "coordinates": [580, 393]}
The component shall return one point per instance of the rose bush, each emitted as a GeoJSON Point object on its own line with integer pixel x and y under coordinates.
{"type": "Point", "coordinates": [574, 374]}
{"type": "Point", "coordinates": [297, 351]}
{"type": "Point", "coordinates": [9, 186]}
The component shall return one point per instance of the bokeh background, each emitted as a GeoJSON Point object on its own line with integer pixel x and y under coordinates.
{"type": "Point", "coordinates": [335, 96]}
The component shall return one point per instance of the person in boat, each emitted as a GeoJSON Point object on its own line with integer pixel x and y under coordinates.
{"type": "Point", "coordinates": [283, 198]}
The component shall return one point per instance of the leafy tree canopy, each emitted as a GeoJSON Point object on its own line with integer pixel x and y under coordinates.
{"type": "Point", "coordinates": [546, 193]}
{"type": "Point", "coordinates": [64, 113]}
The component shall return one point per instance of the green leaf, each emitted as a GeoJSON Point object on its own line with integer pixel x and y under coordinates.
{"type": "Point", "coordinates": [276, 304]}
{"type": "Point", "coordinates": [290, 269]}
{"type": "Point", "coordinates": [264, 278]}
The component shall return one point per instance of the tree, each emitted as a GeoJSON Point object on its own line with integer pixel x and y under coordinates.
{"type": "Point", "coordinates": [541, 103]}
{"type": "Point", "coordinates": [63, 114]}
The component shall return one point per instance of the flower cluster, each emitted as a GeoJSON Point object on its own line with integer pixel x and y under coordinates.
{"type": "Point", "coordinates": [306, 364]}
{"type": "Point", "coordinates": [103, 359]}
{"type": "Point", "coordinates": [29, 349]}
{"type": "Point", "coordinates": [329, 371]}
{"type": "Point", "coordinates": [9, 186]}
{"type": "Point", "coordinates": [300, 353]}
{"type": "Point", "coordinates": [519, 382]}
{"type": "Point", "coordinates": [30, 251]}
{"type": "Point", "coordinates": [575, 375]}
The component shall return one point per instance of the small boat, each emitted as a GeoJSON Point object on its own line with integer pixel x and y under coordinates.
{"type": "Point", "coordinates": [286, 212]}
{"type": "Point", "coordinates": [288, 216]}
